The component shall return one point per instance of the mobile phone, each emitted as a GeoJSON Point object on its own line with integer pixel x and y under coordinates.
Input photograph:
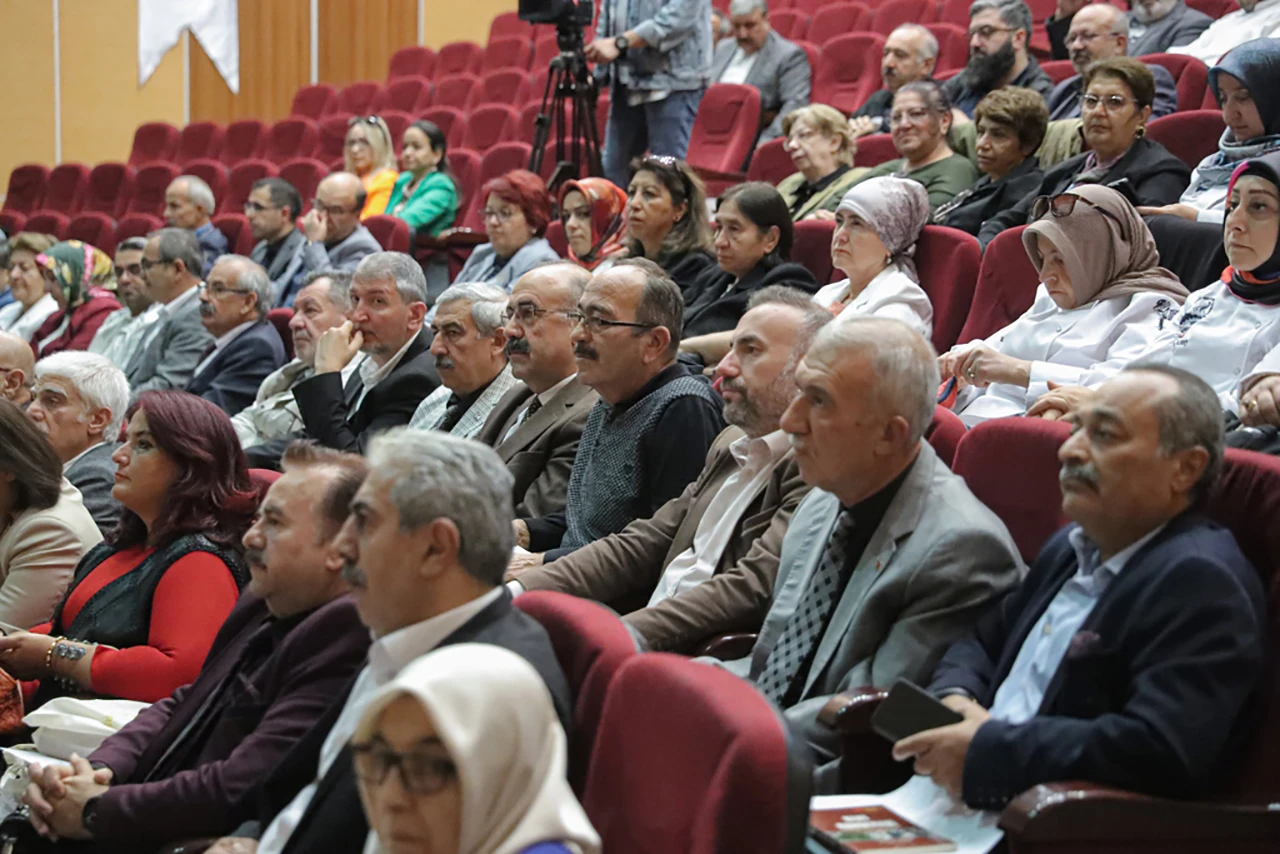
{"type": "Point", "coordinates": [910, 709]}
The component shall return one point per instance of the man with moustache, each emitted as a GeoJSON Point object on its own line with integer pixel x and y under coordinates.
{"type": "Point", "coordinates": [1133, 651]}
{"type": "Point", "coordinates": [705, 563]}
{"type": "Point", "coordinates": [119, 334]}
{"type": "Point", "coordinates": [998, 34]}
{"type": "Point", "coordinates": [469, 347]}
{"type": "Point", "coordinates": [758, 56]}
{"type": "Point", "coordinates": [169, 349]}
{"type": "Point", "coordinates": [910, 54]}
{"type": "Point", "coordinates": [293, 642]}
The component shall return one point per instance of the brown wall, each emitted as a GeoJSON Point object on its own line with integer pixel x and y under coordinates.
{"type": "Point", "coordinates": [380, 27]}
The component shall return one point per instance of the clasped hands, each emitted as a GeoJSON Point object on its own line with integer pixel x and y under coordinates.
{"type": "Point", "coordinates": [979, 365]}
{"type": "Point", "coordinates": [56, 797]}
{"type": "Point", "coordinates": [939, 753]}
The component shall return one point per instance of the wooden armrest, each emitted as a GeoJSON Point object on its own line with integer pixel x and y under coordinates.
{"type": "Point", "coordinates": [851, 711]}
{"type": "Point", "coordinates": [188, 846]}
{"type": "Point", "coordinates": [867, 765]}
{"type": "Point", "coordinates": [728, 647]}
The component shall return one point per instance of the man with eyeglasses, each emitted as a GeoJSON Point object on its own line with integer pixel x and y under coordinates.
{"type": "Point", "coordinates": [335, 238]}
{"type": "Point", "coordinates": [537, 425]}
{"type": "Point", "coordinates": [648, 436]}
{"type": "Point", "coordinates": [272, 207]}
{"type": "Point", "coordinates": [1101, 31]}
{"type": "Point", "coordinates": [1155, 26]}
{"type": "Point", "coordinates": [123, 329]}
{"type": "Point", "coordinates": [998, 34]}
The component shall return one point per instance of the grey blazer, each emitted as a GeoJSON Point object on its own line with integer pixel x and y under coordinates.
{"type": "Point", "coordinates": [94, 474]}
{"type": "Point", "coordinates": [345, 256]}
{"type": "Point", "coordinates": [1180, 27]}
{"type": "Point", "coordinates": [480, 267]}
{"type": "Point", "coordinates": [937, 559]}
{"type": "Point", "coordinates": [781, 72]}
{"type": "Point", "coordinates": [170, 359]}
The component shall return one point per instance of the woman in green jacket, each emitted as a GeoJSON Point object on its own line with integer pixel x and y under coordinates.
{"type": "Point", "coordinates": [426, 193]}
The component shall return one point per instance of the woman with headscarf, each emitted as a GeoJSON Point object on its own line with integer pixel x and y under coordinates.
{"type": "Point", "coordinates": [1100, 275]}
{"type": "Point", "coordinates": [877, 225]}
{"type": "Point", "coordinates": [593, 211]}
{"type": "Point", "coordinates": [79, 277]}
{"type": "Point", "coordinates": [463, 754]}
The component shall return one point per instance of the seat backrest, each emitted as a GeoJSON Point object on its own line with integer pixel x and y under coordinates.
{"type": "Point", "coordinates": [1058, 70]}
{"type": "Point", "coordinates": [465, 163]}
{"type": "Point", "coordinates": [457, 58]}
{"type": "Point", "coordinates": [397, 123]}
{"type": "Point", "coordinates": [771, 162]}
{"type": "Point", "coordinates": [392, 233]}
{"type": "Point", "coordinates": [137, 225]}
{"type": "Point", "coordinates": [498, 160]}
{"type": "Point", "coordinates": [305, 174]}
{"type": "Point", "coordinates": [953, 45]}
{"type": "Point", "coordinates": [200, 140]}
{"type": "Point", "coordinates": [295, 136]}
{"type": "Point", "coordinates": [944, 433]}
{"type": "Point", "coordinates": [1190, 74]}
{"type": "Point", "coordinates": [692, 759]}
{"type": "Point", "coordinates": [153, 141]}
{"type": "Point", "coordinates": [94, 228]}
{"type": "Point", "coordinates": [109, 188]}
{"type": "Point", "coordinates": [64, 191]}
{"type": "Point", "coordinates": [332, 139]}
{"type": "Point", "coordinates": [358, 98]}
{"type": "Point", "coordinates": [549, 162]}
{"type": "Point", "coordinates": [1214, 8]}
{"type": "Point", "coordinates": [836, 19]}
{"type": "Point", "coordinates": [279, 318]}
{"type": "Point", "coordinates": [452, 123]}
{"type": "Point", "coordinates": [214, 174]}
{"type": "Point", "coordinates": [241, 179]}
{"type": "Point", "coordinates": [408, 94]}
{"type": "Point", "coordinates": [725, 129]}
{"type": "Point", "coordinates": [955, 12]}
{"type": "Point", "coordinates": [547, 48]}
{"type": "Point", "coordinates": [875, 149]}
{"type": "Point", "coordinates": [235, 227]}
{"type": "Point", "coordinates": [811, 246]}
{"type": "Point", "coordinates": [412, 61]}
{"type": "Point", "coordinates": [556, 237]}
{"type": "Point", "coordinates": [26, 188]}
{"type": "Point", "coordinates": [790, 23]}
{"type": "Point", "coordinates": [48, 222]}
{"type": "Point", "coordinates": [455, 90]}
{"type": "Point", "coordinates": [243, 140]}
{"type": "Point", "coordinates": [1190, 136]}
{"type": "Point", "coordinates": [489, 125]}
{"type": "Point", "coordinates": [500, 86]}
{"type": "Point", "coordinates": [314, 101]}
{"type": "Point", "coordinates": [149, 185]}
{"type": "Point", "coordinates": [1007, 282]}
{"type": "Point", "coordinates": [947, 261]}
{"type": "Point", "coordinates": [848, 71]}
{"type": "Point", "coordinates": [893, 13]}
{"type": "Point", "coordinates": [508, 25]}
{"type": "Point", "coordinates": [506, 53]}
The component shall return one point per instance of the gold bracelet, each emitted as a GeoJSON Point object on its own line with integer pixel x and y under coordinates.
{"type": "Point", "coordinates": [48, 656]}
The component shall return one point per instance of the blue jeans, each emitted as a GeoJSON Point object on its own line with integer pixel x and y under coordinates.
{"type": "Point", "coordinates": [662, 127]}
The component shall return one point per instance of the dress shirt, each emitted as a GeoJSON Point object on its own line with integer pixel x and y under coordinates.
{"type": "Point", "coordinates": [221, 344]}
{"type": "Point", "coordinates": [118, 337]}
{"type": "Point", "coordinates": [756, 459]}
{"type": "Point", "coordinates": [739, 67]}
{"type": "Point", "coordinates": [543, 399]}
{"type": "Point", "coordinates": [1234, 29]}
{"type": "Point", "coordinates": [371, 373]}
{"type": "Point", "coordinates": [387, 657]}
{"type": "Point", "coordinates": [274, 414]}
{"type": "Point", "coordinates": [1019, 697]}
{"type": "Point", "coordinates": [24, 322]}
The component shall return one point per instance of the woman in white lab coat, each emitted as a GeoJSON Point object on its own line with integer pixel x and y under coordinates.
{"type": "Point", "coordinates": [1101, 275]}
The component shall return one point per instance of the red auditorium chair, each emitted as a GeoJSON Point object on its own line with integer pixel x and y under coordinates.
{"type": "Point", "coordinates": [1191, 136]}
{"type": "Point", "coordinates": [836, 19]}
{"type": "Point", "coordinates": [591, 644]}
{"type": "Point", "coordinates": [96, 229]}
{"type": "Point", "coordinates": [199, 140]}
{"type": "Point", "coordinates": [407, 94]}
{"type": "Point", "coordinates": [26, 188]}
{"type": "Point", "coordinates": [235, 227]}
{"type": "Point", "coordinates": [451, 121]}
{"type": "Point", "coordinates": [457, 58]}
{"type": "Point", "coordinates": [240, 183]}
{"type": "Point", "coordinates": [955, 12]}
{"type": "Point", "coordinates": [466, 164]}
{"type": "Point", "coordinates": [48, 222]}
{"type": "Point", "coordinates": [948, 260]}
{"type": "Point", "coordinates": [555, 236]}
{"type": "Point", "coordinates": [812, 7]}
{"type": "Point", "coordinates": [214, 174]}
{"type": "Point", "coordinates": [1190, 74]}
{"type": "Point", "coordinates": [489, 125]}
{"type": "Point", "coordinates": [1058, 70]}
{"type": "Point", "coordinates": [455, 90]}
{"type": "Point", "coordinates": [108, 189]}
{"type": "Point", "coordinates": [137, 225]}
{"type": "Point", "coordinates": [1214, 8]}
{"type": "Point", "coordinates": [529, 120]}
{"type": "Point", "coordinates": [790, 23]}
{"type": "Point", "coordinates": [944, 433]}
{"type": "Point", "coordinates": [11, 222]}
{"type": "Point", "coordinates": [811, 246]}
{"type": "Point", "coordinates": [690, 759]}
{"type": "Point", "coordinates": [333, 136]}
{"type": "Point", "coordinates": [771, 162]}
{"type": "Point", "coordinates": [848, 71]}
{"type": "Point", "coordinates": [153, 141]}
{"type": "Point", "coordinates": [502, 86]}
{"type": "Point", "coordinates": [358, 98]}
{"type": "Point", "coordinates": [279, 318]}
{"type": "Point", "coordinates": [412, 61]}
{"type": "Point", "coordinates": [65, 189]}
{"type": "Point", "coordinates": [499, 160]}
{"type": "Point", "coordinates": [724, 133]}
{"type": "Point", "coordinates": [509, 25]}
{"type": "Point", "coordinates": [506, 53]}
{"type": "Point", "coordinates": [535, 87]}
{"type": "Point", "coordinates": [890, 14]}
{"type": "Point", "coordinates": [875, 149]}
{"type": "Point", "coordinates": [953, 45]}
{"type": "Point", "coordinates": [314, 101]}
{"type": "Point", "coordinates": [1007, 282]}
{"type": "Point", "coordinates": [295, 136]}
{"type": "Point", "coordinates": [149, 185]}
{"type": "Point", "coordinates": [304, 173]}
{"type": "Point", "coordinates": [392, 233]}
{"type": "Point", "coordinates": [242, 141]}
{"type": "Point", "coordinates": [545, 49]}
{"type": "Point", "coordinates": [397, 123]}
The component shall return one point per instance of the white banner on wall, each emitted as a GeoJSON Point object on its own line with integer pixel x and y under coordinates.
{"type": "Point", "coordinates": [214, 22]}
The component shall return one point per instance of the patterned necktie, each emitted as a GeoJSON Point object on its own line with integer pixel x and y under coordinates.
{"type": "Point", "coordinates": [806, 624]}
{"type": "Point", "coordinates": [534, 406]}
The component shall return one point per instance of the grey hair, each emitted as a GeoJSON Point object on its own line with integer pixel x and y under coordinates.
{"type": "Point", "coordinates": [435, 475]}
{"type": "Point", "coordinates": [812, 316]}
{"type": "Point", "coordinates": [200, 193]}
{"type": "Point", "coordinates": [488, 304]}
{"type": "Point", "coordinates": [180, 244]}
{"type": "Point", "coordinates": [577, 278]}
{"type": "Point", "coordinates": [1192, 418]}
{"type": "Point", "coordinates": [411, 284]}
{"type": "Point", "coordinates": [928, 41]}
{"type": "Point", "coordinates": [746, 7]}
{"type": "Point", "coordinates": [661, 303]}
{"type": "Point", "coordinates": [339, 286]}
{"type": "Point", "coordinates": [100, 384]}
{"type": "Point", "coordinates": [250, 276]}
{"type": "Point", "coordinates": [904, 364]}
{"type": "Point", "coordinates": [1015, 14]}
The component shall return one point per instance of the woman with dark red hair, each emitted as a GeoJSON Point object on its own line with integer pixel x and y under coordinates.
{"type": "Point", "coordinates": [517, 208]}
{"type": "Point", "coordinates": [143, 607]}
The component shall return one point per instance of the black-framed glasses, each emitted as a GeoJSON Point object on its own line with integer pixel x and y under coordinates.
{"type": "Point", "coordinates": [594, 324]}
{"type": "Point", "coordinates": [1064, 204]}
{"type": "Point", "coordinates": [420, 774]}
{"type": "Point", "coordinates": [221, 290]}
{"type": "Point", "coordinates": [132, 270]}
{"type": "Point", "coordinates": [987, 31]}
{"type": "Point", "coordinates": [528, 313]}
{"type": "Point", "coordinates": [146, 263]}
{"type": "Point", "coordinates": [257, 207]}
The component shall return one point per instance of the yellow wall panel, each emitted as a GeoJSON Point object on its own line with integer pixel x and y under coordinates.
{"type": "Point", "coordinates": [26, 62]}
{"type": "Point", "coordinates": [468, 20]}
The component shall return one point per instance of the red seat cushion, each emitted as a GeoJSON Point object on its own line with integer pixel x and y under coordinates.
{"type": "Point", "coordinates": [725, 128]}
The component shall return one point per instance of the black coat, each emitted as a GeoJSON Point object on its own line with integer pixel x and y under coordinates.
{"type": "Point", "coordinates": [712, 307]}
{"type": "Point", "coordinates": [232, 379]}
{"type": "Point", "coordinates": [988, 198]}
{"type": "Point", "coordinates": [685, 269]}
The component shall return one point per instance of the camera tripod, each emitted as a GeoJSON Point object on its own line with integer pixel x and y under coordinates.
{"type": "Point", "coordinates": [577, 148]}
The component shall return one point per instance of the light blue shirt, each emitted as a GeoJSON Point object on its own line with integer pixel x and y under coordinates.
{"type": "Point", "coordinates": [1019, 697]}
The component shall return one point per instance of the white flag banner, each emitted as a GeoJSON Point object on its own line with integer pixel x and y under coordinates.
{"type": "Point", "coordinates": [216, 23]}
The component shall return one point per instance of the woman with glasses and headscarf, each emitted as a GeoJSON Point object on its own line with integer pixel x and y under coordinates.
{"type": "Point", "coordinates": [369, 154]}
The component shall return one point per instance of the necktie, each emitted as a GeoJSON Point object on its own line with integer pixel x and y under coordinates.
{"type": "Point", "coordinates": [801, 632]}
{"type": "Point", "coordinates": [534, 406]}
{"type": "Point", "coordinates": [452, 414]}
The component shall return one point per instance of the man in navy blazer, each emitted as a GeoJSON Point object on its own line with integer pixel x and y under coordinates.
{"type": "Point", "coordinates": [233, 308]}
{"type": "Point", "coordinates": [1132, 652]}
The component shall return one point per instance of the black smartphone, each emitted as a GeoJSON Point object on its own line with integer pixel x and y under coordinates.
{"type": "Point", "coordinates": [910, 709]}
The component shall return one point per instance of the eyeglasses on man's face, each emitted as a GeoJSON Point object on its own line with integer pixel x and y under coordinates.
{"type": "Point", "coordinates": [528, 314]}
{"type": "Point", "coordinates": [594, 324]}
{"type": "Point", "coordinates": [217, 290]}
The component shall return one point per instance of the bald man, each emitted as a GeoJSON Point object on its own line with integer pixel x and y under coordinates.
{"type": "Point", "coordinates": [17, 369]}
{"type": "Point", "coordinates": [1101, 31]}
{"type": "Point", "coordinates": [335, 238]}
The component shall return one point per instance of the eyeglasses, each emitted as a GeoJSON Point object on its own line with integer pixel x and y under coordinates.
{"type": "Point", "coordinates": [595, 325]}
{"type": "Point", "coordinates": [1112, 103]}
{"type": "Point", "coordinates": [915, 114]}
{"type": "Point", "coordinates": [1063, 204]}
{"type": "Point", "coordinates": [528, 313]}
{"type": "Point", "coordinates": [1084, 37]}
{"type": "Point", "coordinates": [987, 31]}
{"type": "Point", "coordinates": [146, 263]}
{"type": "Point", "coordinates": [220, 290]}
{"type": "Point", "coordinates": [330, 210]}
{"type": "Point", "coordinates": [255, 207]}
{"type": "Point", "coordinates": [132, 270]}
{"type": "Point", "coordinates": [419, 774]}
{"type": "Point", "coordinates": [503, 215]}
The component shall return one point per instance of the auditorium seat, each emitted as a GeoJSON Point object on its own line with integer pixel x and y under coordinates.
{"type": "Point", "coordinates": [199, 140]}
{"type": "Point", "coordinates": [314, 101]}
{"type": "Point", "coordinates": [957, 12]}
{"type": "Point", "coordinates": [214, 174]}
{"type": "Point", "coordinates": [810, 7]}
{"type": "Point", "coordinates": [892, 13]}
{"type": "Point", "coordinates": [279, 318]}
{"type": "Point", "coordinates": [944, 433]}
{"type": "Point", "coordinates": [333, 136]}
{"type": "Point", "coordinates": [96, 229]}
{"type": "Point", "coordinates": [392, 233]}
{"type": "Point", "coordinates": [724, 131]}
{"type": "Point", "coordinates": [1190, 74]}
{"type": "Point", "coordinates": [555, 236]}
{"type": "Point", "coordinates": [358, 98]}
{"type": "Point", "coordinates": [1214, 8]}
{"type": "Point", "coordinates": [465, 164]}
{"type": "Point", "coordinates": [836, 19]}
{"type": "Point", "coordinates": [550, 160]}
{"type": "Point", "coordinates": [509, 25]}
{"type": "Point", "coordinates": [243, 140]}
{"type": "Point", "coordinates": [397, 123]}
{"type": "Point", "coordinates": [235, 227]}
{"type": "Point", "coordinates": [535, 88]}
{"type": "Point", "coordinates": [500, 86]}
{"type": "Point", "coordinates": [848, 71]}
{"type": "Point", "coordinates": [811, 246]}
{"type": "Point", "coordinates": [498, 160]}
{"type": "Point", "coordinates": [304, 173]}
{"type": "Point", "coordinates": [953, 45]}
{"type": "Point", "coordinates": [771, 162]}
{"type": "Point", "coordinates": [1007, 282]}
{"type": "Point", "coordinates": [452, 123]}
{"type": "Point", "coordinates": [506, 53]}
{"type": "Point", "coordinates": [790, 23]}
{"type": "Point", "coordinates": [295, 136]}
{"type": "Point", "coordinates": [1190, 136]}
{"type": "Point", "coordinates": [153, 141]}
{"type": "Point", "coordinates": [545, 49]}
{"type": "Point", "coordinates": [455, 90]}
{"type": "Point", "coordinates": [408, 94]}
{"type": "Point", "coordinates": [240, 182]}
{"type": "Point", "coordinates": [108, 188]}
{"type": "Point", "coordinates": [528, 123]}
{"type": "Point", "coordinates": [412, 61]}
{"type": "Point", "coordinates": [875, 149]}
{"type": "Point", "coordinates": [64, 191]}
{"type": "Point", "coordinates": [149, 185]}
{"type": "Point", "coordinates": [26, 188]}
{"type": "Point", "coordinates": [691, 759]}
{"type": "Point", "coordinates": [48, 222]}
{"type": "Point", "coordinates": [1058, 70]}
{"type": "Point", "coordinates": [947, 261]}
{"type": "Point", "coordinates": [489, 125]}
{"type": "Point", "coordinates": [12, 222]}
{"type": "Point", "coordinates": [137, 225]}
{"type": "Point", "coordinates": [457, 58]}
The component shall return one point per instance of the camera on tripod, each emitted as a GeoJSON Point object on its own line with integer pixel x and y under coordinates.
{"type": "Point", "coordinates": [559, 12]}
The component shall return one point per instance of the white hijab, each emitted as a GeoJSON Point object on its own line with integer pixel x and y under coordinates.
{"type": "Point", "coordinates": [494, 715]}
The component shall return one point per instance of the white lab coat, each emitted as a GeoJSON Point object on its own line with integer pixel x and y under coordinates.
{"type": "Point", "coordinates": [1062, 346]}
{"type": "Point", "coordinates": [890, 294]}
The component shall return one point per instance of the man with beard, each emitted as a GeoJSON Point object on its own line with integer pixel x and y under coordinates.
{"type": "Point", "coordinates": [469, 346]}
{"type": "Point", "coordinates": [536, 426]}
{"type": "Point", "coordinates": [272, 209]}
{"type": "Point", "coordinates": [1134, 650]}
{"type": "Point", "coordinates": [705, 563]}
{"type": "Point", "coordinates": [119, 334]}
{"type": "Point", "coordinates": [998, 35]}
{"type": "Point", "coordinates": [910, 54]}
{"type": "Point", "coordinates": [758, 56]}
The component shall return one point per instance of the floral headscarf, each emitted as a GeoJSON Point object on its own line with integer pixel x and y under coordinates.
{"type": "Point", "coordinates": [897, 210]}
{"type": "Point", "coordinates": [608, 206]}
{"type": "Point", "coordinates": [78, 268]}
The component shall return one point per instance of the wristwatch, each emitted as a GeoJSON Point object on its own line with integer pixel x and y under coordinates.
{"type": "Point", "coordinates": [89, 815]}
{"type": "Point", "coordinates": [623, 44]}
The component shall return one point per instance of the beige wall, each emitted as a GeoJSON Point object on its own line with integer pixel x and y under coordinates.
{"type": "Point", "coordinates": [26, 62]}
{"type": "Point", "coordinates": [462, 20]}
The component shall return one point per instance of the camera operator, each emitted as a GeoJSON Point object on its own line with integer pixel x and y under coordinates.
{"type": "Point", "coordinates": [655, 55]}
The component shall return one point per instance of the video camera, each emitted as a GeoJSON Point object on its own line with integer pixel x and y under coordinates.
{"type": "Point", "coordinates": [562, 13]}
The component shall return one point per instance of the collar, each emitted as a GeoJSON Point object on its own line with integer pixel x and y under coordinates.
{"type": "Point", "coordinates": [822, 183]}
{"type": "Point", "coordinates": [1087, 552]}
{"type": "Point", "coordinates": [755, 454]}
{"type": "Point", "coordinates": [392, 653]}
{"type": "Point", "coordinates": [870, 510]}
{"type": "Point", "coordinates": [69, 463]}
{"type": "Point", "coordinates": [176, 304]}
{"type": "Point", "coordinates": [548, 395]}
{"type": "Point", "coordinates": [232, 334]}
{"type": "Point", "coordinates": [671, 372]}
{"type": "Point", "coordinates": [468, 400]}
{"type": "Point", "coordinates": [371, 374]}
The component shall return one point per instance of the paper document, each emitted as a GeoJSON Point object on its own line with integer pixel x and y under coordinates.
{"type": "Point", "coordinates": [923, 802]}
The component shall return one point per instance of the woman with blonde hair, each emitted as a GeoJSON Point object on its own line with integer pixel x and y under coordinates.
{"type": "Point", "coordinates": [369, 154]}
{"type": "Point", "coordinates": [822, 146]}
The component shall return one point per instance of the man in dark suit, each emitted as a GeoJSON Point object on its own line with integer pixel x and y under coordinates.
{"type": "Point", "coordinates": [539, 441]}
{"type": "Point", "coordinates": [419, 584]}
{"type": "Point", "coordinates": [388, 304]}
{"type": "Point", "coordinates": [272, 209]}
{"type": "Point", "coordinates": [292, 642]}
{"type": "Point", "coordinates": [1138, 639]}
{"type": "Point", "coordinates": [759, 57]}
{"type": "Point", "coordinates": [246, 348]}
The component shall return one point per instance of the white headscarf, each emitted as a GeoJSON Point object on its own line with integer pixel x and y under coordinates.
{"type": "Point", "coordinates": [494, 715]}
{"type": "Point", "coordinates": [897, 209]}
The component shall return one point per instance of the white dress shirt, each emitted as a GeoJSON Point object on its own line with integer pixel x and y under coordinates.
{"type": "Point", "coordinates": [221, 344]}
{"type": "Point", "coordinates": [117, 339]}
{"type": "Point", "coordinates": [1234, 29]}
{"type": "Point", "coordinates": [371, 373]}
{"type": "Point", "coordinates": [387, 657]}
{"type": "Point", "coordinates": [756, 459]}
{"type": "Point", "coordinates": [25, 323]}
{"type": "Point", "coordinates": [274, 413]}
{"type": "Point", "coordinates": [739, 67]}
{"type": "Point", "coordinates": [890, 294]}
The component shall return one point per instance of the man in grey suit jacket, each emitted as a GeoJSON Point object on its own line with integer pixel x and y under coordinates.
{"type": "Point", "coordinates": [1157, 25]}
{"type": "Point", "coordinates": [759, 57]}
{"type": "Point", "coordinates": [335, 238]}
{"type": "Point", "coordinates": [171, 348]}
{"type": "Point", "coordinates": [890, 558]}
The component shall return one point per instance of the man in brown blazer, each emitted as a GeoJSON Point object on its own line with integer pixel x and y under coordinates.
{"type": "Point", "coordinates": [705, 563]}
{"type": "Point", "coordinates": [539, 441]}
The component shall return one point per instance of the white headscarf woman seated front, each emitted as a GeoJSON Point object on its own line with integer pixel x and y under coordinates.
{"type": "Point", "coordinates": [877, 226]}
{"type": "Point", "coordinates": [1100, 272]}
{"type": "Point", "coordinates": [463, 754]}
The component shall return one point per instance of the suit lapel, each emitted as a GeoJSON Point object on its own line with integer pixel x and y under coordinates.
{"type": "Point", "coordinates": [542, 420]}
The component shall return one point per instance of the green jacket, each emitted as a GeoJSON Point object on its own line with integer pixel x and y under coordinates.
{"type": "Point", "coordinates": [433, 206]}
{"type": "Point", "coordinates": [942, 180]}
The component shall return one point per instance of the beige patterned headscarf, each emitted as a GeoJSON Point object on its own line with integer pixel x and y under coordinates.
{"type": "Point", "coordinates": [897, 209]}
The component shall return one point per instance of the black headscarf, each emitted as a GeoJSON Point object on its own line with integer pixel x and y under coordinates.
{"type": "Point", "coordinates": [1261, 284]}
